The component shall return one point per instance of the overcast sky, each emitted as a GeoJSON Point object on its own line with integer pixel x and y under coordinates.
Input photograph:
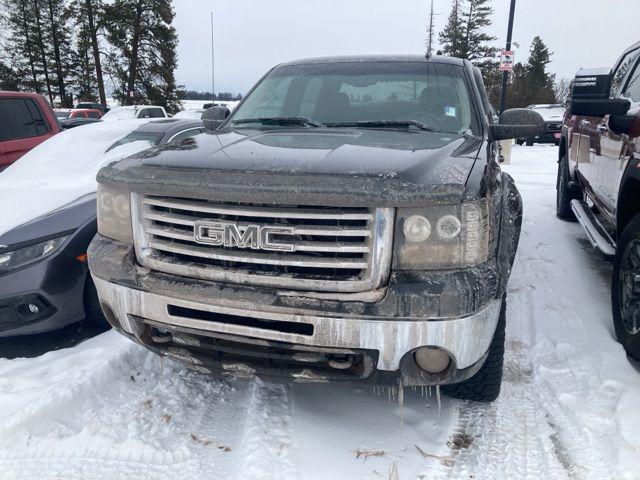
{"type": "Point", "coordinates": [253, 35]}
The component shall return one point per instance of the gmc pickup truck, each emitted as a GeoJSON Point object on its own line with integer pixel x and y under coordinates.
{"type": "Point", "coordinates": [599, 179]}
{"type": "Point", "coordinates": [349, 221]}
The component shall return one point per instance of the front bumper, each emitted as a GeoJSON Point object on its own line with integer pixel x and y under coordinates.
{"type": "Point", "coordinates": [465, 339]}
{"type": "Point", "coordinates": [190, 319]}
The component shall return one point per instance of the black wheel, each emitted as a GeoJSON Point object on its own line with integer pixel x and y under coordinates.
{"type": "Point", "coordinates": [484, 386]}
{"type": "Point", "coordinates": [519, 141]}
{"type": "Point", "coordinates": [93, 312]}
{"type": "Point", "coordinates": [529, 142]}
{"type": "Point", "coordinates": [565, 192]}
{"type": "Point", "coordinates": [625, 289]}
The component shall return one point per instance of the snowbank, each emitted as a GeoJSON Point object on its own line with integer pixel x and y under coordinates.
{"type": "Point", "coordinates": [61, 170]}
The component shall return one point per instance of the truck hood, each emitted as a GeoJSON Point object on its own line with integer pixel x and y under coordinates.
{"type": "Point", "coordinates": [306, 166]}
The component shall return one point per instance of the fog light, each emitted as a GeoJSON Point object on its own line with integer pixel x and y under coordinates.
{"type": "Point", "coordinates": [432, 360]}
{"type": "Point", "coordinates": [33, 308]}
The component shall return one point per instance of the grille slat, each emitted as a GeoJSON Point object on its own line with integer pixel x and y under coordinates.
{"type": "Point", "coordinates": [324, 248]}
{"type": "Point", "coordinates": [316, 230]}
{"type": "Point", "coordinates": [187, 236]}
{"type": "Point", "coordinates": [248, 211]}
{"type": "Point", "coordinates": [255, 257]}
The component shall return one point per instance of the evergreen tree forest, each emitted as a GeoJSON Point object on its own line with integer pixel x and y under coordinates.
{"type": "Point", "coordinates": [81, 50]}
{"type": "Point", "coordinates": [465, 36]}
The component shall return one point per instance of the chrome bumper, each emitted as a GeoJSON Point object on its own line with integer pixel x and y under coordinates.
{"type": "Point", "coordinates": [465, 339]}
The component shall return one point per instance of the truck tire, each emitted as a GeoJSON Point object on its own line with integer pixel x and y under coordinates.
{"type": "Point", "coordinates": [565, 192]}
{"type": "Point", "coordinates": [92, 310]}
{"type": "Point", "coordinates": [625, 289]}
{"type": "Point", "coordinates": [484, 386]}
{"type": "Point", "coordinates": [529, 142]}
{"type": "Point", "coordinates": [519, 141]}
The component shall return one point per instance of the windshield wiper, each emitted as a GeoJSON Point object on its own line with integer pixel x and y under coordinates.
{"type": "Point", "coordinates": [385, 123]}
{"type": "Point", "coordinates": [304, 121]}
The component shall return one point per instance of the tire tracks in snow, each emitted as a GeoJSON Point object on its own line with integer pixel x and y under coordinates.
{"type": "Point", "coordinates": [146, 417]}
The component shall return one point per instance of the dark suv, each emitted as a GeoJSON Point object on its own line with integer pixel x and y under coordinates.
{"type": "Point", "coordinates": [349, 221]}
{"type": "Point", "coordinates": [599, 179]}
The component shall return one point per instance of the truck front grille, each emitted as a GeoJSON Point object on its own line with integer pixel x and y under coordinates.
{"type": "Point", "coordinates": [335, 249]}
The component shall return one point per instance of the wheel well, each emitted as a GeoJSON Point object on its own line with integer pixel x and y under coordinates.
{"type": "Point", "coordinates": [628, 203]}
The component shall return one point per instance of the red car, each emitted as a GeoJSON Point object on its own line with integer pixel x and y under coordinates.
{"type": "Point", "coordinates": [26, 120]}
{"type": "Point", "coordinates": [78, 113]}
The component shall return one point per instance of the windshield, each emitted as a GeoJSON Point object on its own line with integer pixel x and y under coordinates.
{"type": "Point", "coordinates": [150, 138]}
{"type": "Point", "coordinates": [63, 114]}
{"type": "Point", "coordinates": [120, 114]}
{"type": "Point", "coordinates": [378, 94]}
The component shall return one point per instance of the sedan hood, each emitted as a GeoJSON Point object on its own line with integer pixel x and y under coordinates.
{"type": "Point", "coordinates": [66, 219]}
{"type": "Point", "coordinates": [305, 166]}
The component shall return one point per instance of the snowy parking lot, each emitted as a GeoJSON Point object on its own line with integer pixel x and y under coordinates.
{"type": "Point", "coordinates": [108, 409]}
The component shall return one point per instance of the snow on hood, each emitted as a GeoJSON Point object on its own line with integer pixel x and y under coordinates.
{"type": "Point", "coordinates": [61, 170]}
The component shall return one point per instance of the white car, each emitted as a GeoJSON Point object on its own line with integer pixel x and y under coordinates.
{"type": "Point", "coordinates": [135, 112]}
{"type": "Point", "coordinates": [190, 114]}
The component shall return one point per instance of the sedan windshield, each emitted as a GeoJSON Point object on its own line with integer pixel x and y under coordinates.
{"type": "Point", "coordinates": [384, 95]}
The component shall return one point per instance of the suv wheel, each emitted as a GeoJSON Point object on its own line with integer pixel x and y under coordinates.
{"type": "Point", "coordinates": [625, 289]}
{"type": "Point", "coordinates": [484, 386]}
{"type": "Point", "coordinates": [565, 192]}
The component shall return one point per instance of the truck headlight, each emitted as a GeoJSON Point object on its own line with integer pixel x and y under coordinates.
{"type": "Point", "coordinates": [442, 236]}
{"type": "Point", "coordinates": [12, 259]}
{"type": "Point", "coordinates": [114, 213]}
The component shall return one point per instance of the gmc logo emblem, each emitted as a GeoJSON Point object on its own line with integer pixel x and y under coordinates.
{"type": "Point", "coordinates": [255, 237]}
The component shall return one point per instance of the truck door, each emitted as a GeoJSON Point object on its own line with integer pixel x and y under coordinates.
{"type": "Point", "coordinates": [603, 164]}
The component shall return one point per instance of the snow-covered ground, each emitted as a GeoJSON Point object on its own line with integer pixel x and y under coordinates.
{"type": "Point", "coordinates": [569, 408]}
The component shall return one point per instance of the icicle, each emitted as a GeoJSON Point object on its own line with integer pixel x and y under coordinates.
{"type": "Point", "coordinates": [438, 397]}
{"type": "Point", "coordinates": [401, 402]}
{"type": "Point", "coordinates": [389, 393]}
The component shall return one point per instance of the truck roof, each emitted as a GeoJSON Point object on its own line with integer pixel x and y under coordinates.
{"type": "Point", "coordinates": [376, 58]}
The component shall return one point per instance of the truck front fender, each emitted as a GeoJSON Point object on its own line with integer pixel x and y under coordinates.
{"type": "Point", "coordinates": [510, 228]}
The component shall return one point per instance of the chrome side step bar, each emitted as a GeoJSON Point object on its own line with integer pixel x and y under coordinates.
{"type": "Point", "coordinates": [596, 233]}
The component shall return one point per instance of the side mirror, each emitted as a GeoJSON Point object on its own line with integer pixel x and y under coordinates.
{"type": "Point", "coordinates": [518, 123]}
{"type": "Point", "coordinates": [629, 124]}
{"type": "Point", "coordinates": [599, 107]}
{"type": "Point", "coordinates": [214, 117]}
{"type": "Point", "coordinates": [594, 83]}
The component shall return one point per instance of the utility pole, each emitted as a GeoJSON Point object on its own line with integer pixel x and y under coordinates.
{"type": "Point", "coordinates": [505, 75]}
{"type": "Point", "coordinates": [213, 81]}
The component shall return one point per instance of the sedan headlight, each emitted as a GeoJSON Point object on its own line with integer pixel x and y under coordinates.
{"type": "Point", "coordinates": [114, 213]}
{"type": "Point", "coordinates": [442, 236]}
{"type": "Point", "coordinates": [12, 259]}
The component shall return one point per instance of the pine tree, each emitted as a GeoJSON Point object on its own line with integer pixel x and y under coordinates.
{"type": "Point", "coordinates": [88, 21]}
{"type": "Point", "coordinates": [464, 35]}
{"type": "Point", "coordinates": [19, 44]}
{"type": "Point", "coordinates": [42, 46]}
{"type": "Point", "coordinates": [539, 83]}
{"type": "Point", "coordinates": [451, 38]}
{"type": "Point", "coordinates": [62, 62]}
{"type": "Point", "coordinates": [9, 79]}
{"type": "Point", "coordinates": [143, 56]}
{"type": "Point", "coordinates": [476, 44]}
